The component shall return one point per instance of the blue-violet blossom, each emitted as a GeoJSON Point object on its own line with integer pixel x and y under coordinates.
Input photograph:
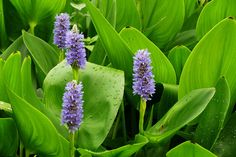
{"type": "Point", "coordinates": [143, 79]}
{"type": "Point", "coordinates": [76, 53]}
{"type": "Point", "coordinates": [61, 26]}
{"type": "Point", "coordinates": [72, 108]}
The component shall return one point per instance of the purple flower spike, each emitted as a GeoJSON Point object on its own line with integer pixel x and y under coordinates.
{"type": "Point", "coordinates": [143, 79]}
{"type": "Point", "coordinates": [61, 26]}
{"type": "Point", "coordinates": [76, 53]}
{"type": "Point", "coordinates": [72, 108]}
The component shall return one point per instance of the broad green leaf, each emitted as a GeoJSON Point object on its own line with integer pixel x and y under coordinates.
{"type": "Point", "coordinates": [36, 130]}
{"type": "Point", "coordinates": [190, 6]}
{"type": "Point", "coordinates": [212, 13]}
{"type": "Point", "coordinates": [29, 94]}
{"type": "Point", "coordinates": [103, 93]}
{"type": "Point", "coordinates": [3, 34]}
{"type": "Point", "coordinates": [127, 14]}
{"type": "Point", "coordinates": [9, 137]}
{"type": "Point", "coordinates": [38, 11]}
{"type": "Point", "coordinates": [3, 94]}
{"type": "Point", "coordinates": [124, 151]}
{"type": "Point", "coordinates": [168, 98]}
{"type": "Point", "coordinates": [213, 57]}
{"type": "Point", "coordinates": [183, 112]}
{"type": "Point", "coordinates": [118, 52]}
{"type": "Point", "coordinates": [17, 45]}
{"type": "Point", "coordinates": [44, 56]}
{"type": "Point", "coordinates": [189, 149]}
{"type": "Point", "coordinates": [11, 73]}
{"type": "Point", "coordinates": [162, 19]}
{"type": "Point", "coordinates": [213, 118]}
{"type": "Point", "coordinates": [178, 56]}
{"type": "Point", "coordinates": [162, 68]}
{"type": "Point", "coordinates": [108, 9]}
{"type": "Point", "coordinates": [98, 55]}
{"type": "Point", "coordinates": [226, 143]}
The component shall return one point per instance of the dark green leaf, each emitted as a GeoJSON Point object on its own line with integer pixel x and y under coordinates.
{"type": "Point", "coordinates": [226, 143]}
{"type": "Point", "coordinates": [3, 34]}
{"type": "Point", "coordinates": [9, 137]}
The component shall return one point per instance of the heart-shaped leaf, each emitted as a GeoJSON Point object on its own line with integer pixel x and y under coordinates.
{"type": "Point", "coordinates": [103, 93]}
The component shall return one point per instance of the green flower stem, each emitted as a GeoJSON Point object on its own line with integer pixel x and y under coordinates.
{"type": "Point", "coordinates": [75, 73]}
{"type": "Point", "coordinates": [61, 55]}
{"type": "Point", "coordinates": [122, 109]}
{"type": "Point", "coordinates": [27, 153]}
{"type": "Point", "coordinates": [142, 109]}
{"type": "Point", "coordinates": [72, 141]}
{"type": "Point", "coordinates": [32, 26]}
{"type": "Point", "coordinates": [21, 149]}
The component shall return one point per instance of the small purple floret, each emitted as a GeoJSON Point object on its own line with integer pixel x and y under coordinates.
{"type": "Point", "coordinates": [76, 53]}
{"type": "Point", "coordinates": [61, 26]}
{"type": "Point", "coordinates": [72, 108]}
{"type": "Point", "coordinates": [143, 79]}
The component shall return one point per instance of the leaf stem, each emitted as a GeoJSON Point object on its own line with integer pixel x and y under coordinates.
{"type": "Point", "coordinates": [21, 149]}
{"type": "Point", "coordinates": [122, 109]}
{"type": "Point", "coordinates": [32, 26]}
{"type": "Point", "coordinates": [72, 141]}
{"type": "Point", "coordinates": [142, 109]}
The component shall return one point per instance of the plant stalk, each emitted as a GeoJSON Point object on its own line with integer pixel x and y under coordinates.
{"type": "Point", "coordinates": [72, 141]}
{"type": "Point", "coordinates": [142, 109]}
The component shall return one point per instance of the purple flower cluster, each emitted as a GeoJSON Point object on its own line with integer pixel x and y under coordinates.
{"type": "Point", "coordinates": [76, 53]}
{"type": "Point", "coordinates": [61, 26]}
{"type": "Point", "coordinates": [143, 79]}
{"type": "Point", "coordinates": [72, 109]}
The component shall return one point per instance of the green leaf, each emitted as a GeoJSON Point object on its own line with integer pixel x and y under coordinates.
{"type": "Point", "coordinates": [3, 94]}
{"type": "Point", "coordinates": [213, 57]}
{"type": "Point", "coordinates": [127, 14]}
{"type": "Point", "coordinates": [9, 137]}
{"type": "Point", "coordinates": [108, 9]}
{"type": "Point", "coordinates": [226, 144]}
{"type": "Point", "coordinates": [17, 45]}
{"type": "Point", "coordinates": [212, 13]}
{"type": "Point", "coordinates": [11, 73]}
{"type": "Point", "coordinates": [103, 93]}
{"type": "Point", "coordinates": [29, 94]}
{"type": "Point", "coordinates": [118, 52]}
{"type": "Point", "coordinates": [178, 56]}
{"type": "Point", "coordinates": [162, 19]}
{"type": "Point", "coordinates": [193, 150]}
{"type": "Point", "coordinates": [3, 35]}
{"type": "Point", "coordinates": [162, 68]}
{"type": "Point", "coordinates": [190, 6]}
{"type": "Point", "coordinates": [124, 151]}
{"type": "Point", "coordinates": [35, 129]}
{"type": "Point", "coordinates": [38, 11]}
{"type": "Point", "coordinates": [183, 112]}
{"type": "Point", "coordinates": [45, 57]}
{"type": "Point", "coordinates": [213, 118]}
{"type": "Point", "coordinates": [5, 107]}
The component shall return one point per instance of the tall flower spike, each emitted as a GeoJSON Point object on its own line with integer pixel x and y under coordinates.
{"type": "Point", "coordinates": [61, 26]}
{"type": "Point", "coordinates": [72, 108]}
{"type": "Point", "coordinates": [143, 79]}
{"type": "Point", "coordinates": [76, 54]}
